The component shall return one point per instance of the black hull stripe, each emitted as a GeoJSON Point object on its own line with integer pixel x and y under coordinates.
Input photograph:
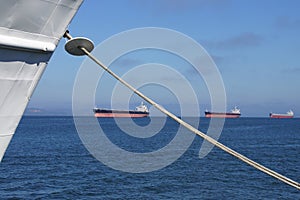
{"type": "Point", "coordinates": [119, 111]}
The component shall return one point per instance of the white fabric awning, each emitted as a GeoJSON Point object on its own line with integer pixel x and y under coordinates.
{"type": "Point", "coordinates": [29, 33]}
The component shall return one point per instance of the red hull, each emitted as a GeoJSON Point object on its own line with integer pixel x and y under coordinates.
{"type": "Point", "coordinates": [217, 115]}
{"type": "Point", "coordinates": [120, 115]}
{"type": "Point", "coordinates": [281, 117]}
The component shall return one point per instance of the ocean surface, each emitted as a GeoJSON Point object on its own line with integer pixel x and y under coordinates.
{"type": "Point", "coordinates": [47, 160]}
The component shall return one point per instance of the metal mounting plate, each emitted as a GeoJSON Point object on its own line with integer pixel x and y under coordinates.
{"type": "Point", "coordinates": [73, 46]}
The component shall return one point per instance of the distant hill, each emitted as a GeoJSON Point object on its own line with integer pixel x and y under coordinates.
{"type": "Point", "coordinates": [43, 112]}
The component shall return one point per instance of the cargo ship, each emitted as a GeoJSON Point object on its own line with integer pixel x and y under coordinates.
{"type": "Point", "coordinates": [289, 114]}
{"type": "Point", "coordinates": [235, 113]}
{"type": "Point", "coordinates": [140, 111]}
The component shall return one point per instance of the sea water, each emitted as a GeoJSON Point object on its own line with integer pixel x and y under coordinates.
{"type": "Point", "coordinates": [47, 160]}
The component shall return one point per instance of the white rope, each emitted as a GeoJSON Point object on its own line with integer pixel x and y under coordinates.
{"type": "Point", "coordinates": [194, 130]}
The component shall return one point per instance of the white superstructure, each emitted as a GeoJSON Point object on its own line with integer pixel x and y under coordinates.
{"type": "Point", "coordinates": [142, 108]}
{"type": "Point", "coordinates": [236, 110]}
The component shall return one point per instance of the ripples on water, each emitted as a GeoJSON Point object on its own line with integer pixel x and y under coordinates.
{"type": "Point", "coordinates": [46, 160]}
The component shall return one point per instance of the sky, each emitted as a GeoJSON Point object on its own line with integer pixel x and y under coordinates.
{"type": "Point", "coordinates": [254, 44]}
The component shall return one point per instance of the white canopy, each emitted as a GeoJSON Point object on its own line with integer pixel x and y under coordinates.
{"type": "Point", "coordinates": [29, 33]}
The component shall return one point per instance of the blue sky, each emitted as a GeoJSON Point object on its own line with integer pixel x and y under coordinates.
{"type": "Point", "coordinates": [255, 45]}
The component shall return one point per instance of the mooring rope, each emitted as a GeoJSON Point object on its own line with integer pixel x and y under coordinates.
{"type": "Point", "coordinates": [191, 128]}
